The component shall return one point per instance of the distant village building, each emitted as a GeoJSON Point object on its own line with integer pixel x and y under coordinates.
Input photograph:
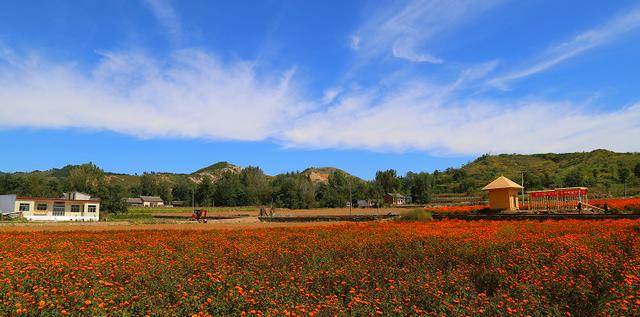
{"type": "Point", "coordinates": [364, 203]}
{"type": "Point", "coordinates": [70, 207]}
{"type": "Point", "coordinates": [396, 199]}
{"type": "Point", "coordinates": [152, 201]}
{"type": "Point", "coordinates": [503, 194]}
{"type": "Point", "coordinates": [134, 202]}
{"type": "Point", "coordinates": [145, 201]}
{"type": "Point", "coordinates": [178, 203]}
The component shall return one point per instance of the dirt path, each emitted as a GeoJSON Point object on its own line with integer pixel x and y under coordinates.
{"type": "Point", "coordinates": [224, 224]}
{"type": "Point", "coordinates": [296, 212]}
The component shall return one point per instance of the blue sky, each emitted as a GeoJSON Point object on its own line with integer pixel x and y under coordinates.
{"type": "Point", "coordinates": [157, 85]}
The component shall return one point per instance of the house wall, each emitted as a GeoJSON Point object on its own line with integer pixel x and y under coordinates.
{"type": "Point", "coordinates": [152, 204]}
{"type": "Point", "coordinates": [7, 203]}
{"type": "Point", "coordinates": [504, 199]}
{"type": "Point", "coordinates": [82, 215]}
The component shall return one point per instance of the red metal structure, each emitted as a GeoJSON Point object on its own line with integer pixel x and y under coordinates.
{"type": "Point", "coordinates": [559, 198]}
{"type": "Point", "coordinates": [199, 215]}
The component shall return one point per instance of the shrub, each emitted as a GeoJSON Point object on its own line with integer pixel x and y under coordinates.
{"type": "Point", "coordinates": [416, 215]}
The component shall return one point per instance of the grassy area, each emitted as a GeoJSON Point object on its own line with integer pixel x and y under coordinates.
{"type": "Point", "coordinates": [147, 210]}
{"type": "Point", "coordinates": [129, 216]}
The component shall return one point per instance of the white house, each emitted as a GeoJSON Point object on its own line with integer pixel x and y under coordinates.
{"type": "Point", "coordinates": [152, 201]}
{"type": "Point", "coordinates": [71, 207]}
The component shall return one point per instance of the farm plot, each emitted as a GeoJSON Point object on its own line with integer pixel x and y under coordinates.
{"type": "Point", "coordinates": [579, 268]}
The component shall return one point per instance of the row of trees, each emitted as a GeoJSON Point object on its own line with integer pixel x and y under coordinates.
{"type": "Point", "coordinates": [292, 190]}
{"type": "Point", "coordinates": [295, 190]}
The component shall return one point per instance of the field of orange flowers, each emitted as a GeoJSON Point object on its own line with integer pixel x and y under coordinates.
{"type": "Point", "coordinates": [615, 204]}
{"type": "Point", "coordinates": [454, 268]}
{"type": "Point", "coordinates": [629, 204]}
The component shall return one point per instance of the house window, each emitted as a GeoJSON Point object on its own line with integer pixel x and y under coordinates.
{"type": "Point", "coordinates": [41, 207]}
{"type": "Point", "coordinates": [75, 208]}
{"type": "Point", "coordinates": [58, 209]}
{"type": "Point", "coordinates": [91, 208]}
{"type": "Point", "coordinates": [24, 207]}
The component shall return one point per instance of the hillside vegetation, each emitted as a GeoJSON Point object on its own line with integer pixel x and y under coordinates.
{"type": "Point", "coordinates": [606, 173]}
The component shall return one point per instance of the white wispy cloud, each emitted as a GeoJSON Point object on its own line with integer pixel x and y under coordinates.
{"type": "Point", "coordinates": [572, 48]}
{"type": "Point", "coordinates": [166, 16]}
{"type": "Point", "coordinates": [422, 118]}
{"type": "Point", "coordinates": [355, 42]}
{"type": "Point", "coordinates": [404, 32]}
{"type": "Point", "coordinates": [193, 94]}
{"type": "Point", "coordinates": [190, 95]}
{"type": "Point", "coordinates": [330, 95]}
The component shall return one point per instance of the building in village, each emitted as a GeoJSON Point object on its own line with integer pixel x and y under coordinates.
{"type": "Point", "coordinates": [152, 201]}
{"type": "Point", "coordinates": [73, 206]}
{"type": "Point", "coordinates": [134, 202]}
{"type": "Point", "coordinates": [145, 201]}
{"type": "Point", "coordinates": [503, 194]}
{"type": "Point", "coordinates": [396, 199]}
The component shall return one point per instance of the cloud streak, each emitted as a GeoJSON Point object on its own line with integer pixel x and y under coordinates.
{"type": "Point", "coordinates": [166, 16]}
{"type": "Point", "coordinates": [576, 46]}
{"type": "Point", "coordinates": [193, 94]}
{"type": "Point", "coordinates": [405, 32]}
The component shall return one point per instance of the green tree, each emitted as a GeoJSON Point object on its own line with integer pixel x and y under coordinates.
{"type": "Point", "coordinates": [624, 173]}
{"type": "Point", "coordinates": [228, 190]}
{"type": "Point", "coordinates": [113, 199]}
{"type": "Point", "coordinates": [204, 192]}
{"type": "Point", "coordinates": [573, 178]}
{"type": "Point", "coordinates": [256, 186]}
{"type": "Point", "coordinates": [9, 184]}
{"type": "Point", "coordinates": [419, 185]}
{"type": "Point", "coordinates": [335, 193]}
{"type": "Point", "coordinates": [182, 191]}
{"type": "Point", "coordinates": [387, 181]}
{"type": "Point", "coordinates": [293, 190]}
{"type": "Point", "coordinates": [36, 186]}
{"type": "Point", "coordinates": [148, 184]}
{"type": "Point", "coordinates": [87, 178]}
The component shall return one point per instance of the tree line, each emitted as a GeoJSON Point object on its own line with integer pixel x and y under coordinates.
{"type": "Point", "coordinates": [251, 187]}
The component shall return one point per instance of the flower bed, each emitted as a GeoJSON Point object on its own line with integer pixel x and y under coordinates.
{"type": "Point", "coordinates": [453, 268]}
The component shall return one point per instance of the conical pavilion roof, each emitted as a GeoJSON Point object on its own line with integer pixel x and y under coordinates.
{"type": "Point", "coordinates": [501, 182]}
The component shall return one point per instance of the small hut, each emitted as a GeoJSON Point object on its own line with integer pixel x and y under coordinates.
{"type": "Point", "coordinates": [503, 194]}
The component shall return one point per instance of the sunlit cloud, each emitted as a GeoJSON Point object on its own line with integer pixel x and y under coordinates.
{"type": "Point", "coordinates": [192, 94]}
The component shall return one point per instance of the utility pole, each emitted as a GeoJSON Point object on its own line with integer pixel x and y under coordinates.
{"type": "Point", "coordinates": [193, 198]}
{"type": "Point", "coordinates": [350, 198]}
{"type": "Point", "coordinates": [522, 184]}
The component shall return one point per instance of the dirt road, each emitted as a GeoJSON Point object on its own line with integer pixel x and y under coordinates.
{"type": "Point", "coordinates": [226, 224]}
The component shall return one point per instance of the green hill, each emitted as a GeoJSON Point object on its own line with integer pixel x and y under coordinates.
{"type": "Point", "coordinates": [601, 170]}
